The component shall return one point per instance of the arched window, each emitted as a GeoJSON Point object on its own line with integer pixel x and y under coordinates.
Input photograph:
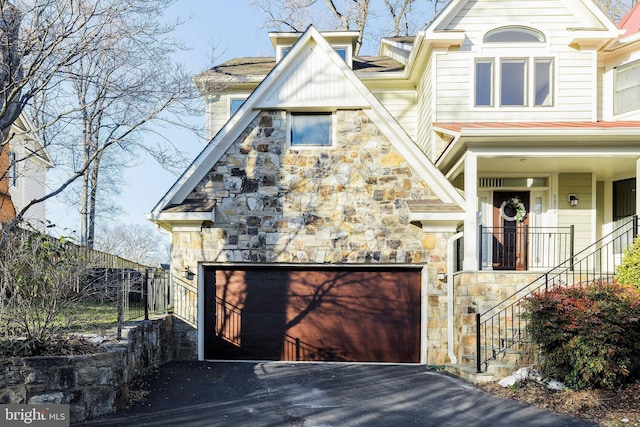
{"type": "Point", "coordinates": [514, 35]}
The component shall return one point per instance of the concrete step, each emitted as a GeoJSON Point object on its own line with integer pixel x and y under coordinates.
{"type": "Point", "coordinates": [469, 373]}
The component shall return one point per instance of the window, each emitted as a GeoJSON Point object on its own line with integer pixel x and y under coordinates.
{"type": "Point", "coordinates": [626, 92]}
{"type": "Point", "coordinates": [542, 81]}
{"type": "Point", "coordinates": [514, 35]}
{"type": "Point", "coordinates": [484, 80]}
{"type": "Point", "coordinates": [235, 104]}
{"type": "Point", "coordinates": [513, 85]}
{"type": "Point", "coordinates": [342, 51]}
{"type": "Point", "coordinates": [311, 129]}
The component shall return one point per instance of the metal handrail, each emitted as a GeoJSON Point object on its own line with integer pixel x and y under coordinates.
{"type": "Point", "coordinates": [504, 328]}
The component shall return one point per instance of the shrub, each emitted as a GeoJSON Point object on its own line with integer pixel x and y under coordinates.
{"type": "Point", "coordinates": [39, 277]}
{"type": "Point", "coordinates": [628, 272]}
{"type": "Point", "coordinates": [589, 334]}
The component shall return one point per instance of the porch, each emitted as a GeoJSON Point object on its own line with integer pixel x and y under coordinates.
{"type": "Point", "coordinates": [491, 336]}
{"type": "Point", "coordinates": [517, 246]}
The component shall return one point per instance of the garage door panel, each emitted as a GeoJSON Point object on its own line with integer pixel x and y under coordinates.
{"type": "Point", "coordinates": [323, 314]}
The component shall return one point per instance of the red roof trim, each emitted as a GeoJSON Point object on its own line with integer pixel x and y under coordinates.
{"type": "Point", "coordinates": [631, 21]}
{"type": "Point", "coordinates": [459, 126]}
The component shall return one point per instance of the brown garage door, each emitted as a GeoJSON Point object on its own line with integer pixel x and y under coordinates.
{"type": "Point", "coordinates": [338, 314]}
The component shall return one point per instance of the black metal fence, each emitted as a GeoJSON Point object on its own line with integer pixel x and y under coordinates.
{"type": "Point", "coordinates": [503, 327]}
{"type": "Point", "coordinates": [520, 247]}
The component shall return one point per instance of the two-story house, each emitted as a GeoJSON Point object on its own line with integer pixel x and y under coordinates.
{"type": "Point", "coordinates": [367, 208]}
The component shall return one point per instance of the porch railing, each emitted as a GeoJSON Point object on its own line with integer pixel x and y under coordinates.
{"type": "Point", "coordinates": [521, 247]}
{"type": "Point", "coordinates": [503, 327]}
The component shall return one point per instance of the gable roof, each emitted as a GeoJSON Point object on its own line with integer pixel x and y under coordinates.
{"type": "Point", "coordinates": [274, 93]}
{"type": "Point", "coordinates": [595, 29]}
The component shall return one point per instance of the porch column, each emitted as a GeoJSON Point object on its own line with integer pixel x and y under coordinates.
{"type": "Point", "coordinates": [638, 186]}
{"type": "Point", "coordinates": [471, 209]}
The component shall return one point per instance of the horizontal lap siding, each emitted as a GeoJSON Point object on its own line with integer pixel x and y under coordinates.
{"type": "Point", "coordinates": [402, 106]}
{"type": "Point", "coordinates": [573, 69]}
{"type": "Point", "coordinates": [425, 111]}
{"type": "Point", "coordinates": [581, 216]}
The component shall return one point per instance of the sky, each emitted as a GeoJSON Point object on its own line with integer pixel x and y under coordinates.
{"type": "Point", "coordinates": [235, 29]}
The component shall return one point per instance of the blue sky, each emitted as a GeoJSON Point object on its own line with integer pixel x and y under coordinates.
{"type": "Point", "coordinates": [236, 30]}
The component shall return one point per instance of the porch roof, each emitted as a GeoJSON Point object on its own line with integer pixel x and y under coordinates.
{"type": "Point", "coordinates": [559, 126]}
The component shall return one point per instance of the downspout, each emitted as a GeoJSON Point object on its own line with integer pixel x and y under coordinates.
{"type": "Point", "coordinates": [450, 299]}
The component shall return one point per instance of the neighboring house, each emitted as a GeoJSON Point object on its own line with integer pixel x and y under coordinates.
{"type": "Point", "coordinates": [24, 164]}
{"type": "Point", "coordinates": [338, 196]}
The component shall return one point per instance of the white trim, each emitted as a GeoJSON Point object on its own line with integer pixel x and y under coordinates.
{"type": "Point", "coordinates": [248, 112]}
{"type": "Point", "coordinates": [424, 314]}
{"type": "Point", "coordinates": [201, 309]}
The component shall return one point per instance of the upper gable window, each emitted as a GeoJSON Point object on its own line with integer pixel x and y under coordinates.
{"type": "Point", "coordinates": [343, 51]}
{"type": "Point", "coordinates": [310, 129]}
{"type": "Point", "coordinates": [514, 35]}
{"type": "Point", "coordinates": [235, 104]}
{"type": "Point", "coordinates": [626, 88]}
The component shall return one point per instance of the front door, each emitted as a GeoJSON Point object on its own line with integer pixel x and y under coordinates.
{"type": "Point", "coordinates": [510, 219]}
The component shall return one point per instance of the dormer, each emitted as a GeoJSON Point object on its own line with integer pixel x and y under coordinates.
{"type": "Point", "coordinates": [343, 42]}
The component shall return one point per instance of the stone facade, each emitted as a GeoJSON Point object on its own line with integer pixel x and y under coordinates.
{"type": "Point", "coordinates": [92, 385]}
{"type": "Point", "coordinates": [346, 204]}
{"type": "Point", "coordinates": [477, 292]}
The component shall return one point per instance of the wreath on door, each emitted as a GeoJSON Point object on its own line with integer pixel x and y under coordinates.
{"type": "Point", "coordinates": [517, 206]}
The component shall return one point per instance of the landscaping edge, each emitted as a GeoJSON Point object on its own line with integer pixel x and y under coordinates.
{"type": "Point", "coordinates": [92, 384]}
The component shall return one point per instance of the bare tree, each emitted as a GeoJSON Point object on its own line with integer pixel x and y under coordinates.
{"type": "Point", "coordinates": [393, 17]}
{"type": "Point", "coordinates": [135, 242]}
{"type": "Point", "coordinates": [616, 9]}
{"type": "Point", "coordinates": [119, 90]}
{"type": "Point", "coordinates": [96, 76]}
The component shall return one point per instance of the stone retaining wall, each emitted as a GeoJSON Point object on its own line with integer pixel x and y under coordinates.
{"type": "Point", "coordinates": [92, 385]}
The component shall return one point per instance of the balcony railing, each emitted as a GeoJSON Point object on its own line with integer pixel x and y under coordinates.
{"type": "Point", "coordinates": [520, 247]}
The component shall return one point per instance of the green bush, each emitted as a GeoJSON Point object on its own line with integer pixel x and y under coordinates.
{"type": "Point", "coordinates": [628, 272]}
{"type": "Point", "coordinates": [589, 334]}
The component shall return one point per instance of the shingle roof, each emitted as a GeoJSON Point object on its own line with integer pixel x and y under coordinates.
{"type": "Point", "coordinates": [258, 67]}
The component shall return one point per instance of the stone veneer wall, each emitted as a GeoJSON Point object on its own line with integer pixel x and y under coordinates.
{"type": "Point", "coordinates": [92, 385]}
{"type": "Point", "coordinates": [340, 205]}
{"type": "Point", "coordinates": [477, 292]}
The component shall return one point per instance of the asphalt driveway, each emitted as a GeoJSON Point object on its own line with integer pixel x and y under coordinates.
{"type": "Point", "coordinates": [326, 394]}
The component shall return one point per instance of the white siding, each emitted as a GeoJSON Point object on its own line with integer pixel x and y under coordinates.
{"type": "Point", "coordinates": [573, 69]}
{"type": "Point", "coordinates": [425, 137]}
{"type": "Point", "coordinates": [402, 106]}
{"type": "Point", "coordinates": [217, 113]}
{"type": "Point", "coordinates": [500, 12]}
{"type": "Point", "coordinates": [580, 216]}
{"type": "Point", "coordinates": [30, 185]}
{"type": "Point", "coordinates": [314, 81]}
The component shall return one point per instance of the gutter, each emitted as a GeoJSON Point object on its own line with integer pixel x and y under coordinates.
{"type": "Point", "coordinates": [450, 299]}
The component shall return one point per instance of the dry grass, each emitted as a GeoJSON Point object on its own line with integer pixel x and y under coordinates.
{"type": "Point", "coordinates": [609, 408]}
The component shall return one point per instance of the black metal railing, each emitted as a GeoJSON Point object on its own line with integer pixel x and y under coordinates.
{"type": "Point", "coordinates": [502, 327]}
{"type": "Point", "coordinates": [520, 247]}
